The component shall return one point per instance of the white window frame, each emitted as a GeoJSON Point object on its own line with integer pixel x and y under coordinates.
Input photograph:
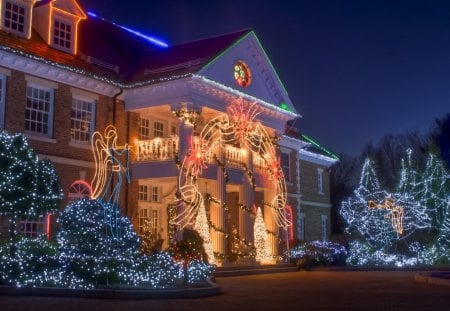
{"type": "Point", "coordinates": [50, 112]}
{"type": "Point", "coordinates": [301, 226]}
{"type": "Point", "coordinates": [144, 129]}
{"type": "Point", "coordinates": [26, 22]}
{"type": "Point", "coordinates": [324, 222]}
{"type": "Point", "coordinates": [143, 193]}
{"type": "Point", "coordinates": [155, 195]}
{"type": "Point", "coordinates": [173, 130]}
{"type": "Point", "coordinates": [3, 80]}
{"type": "Point", "coordinates": [92, 102]}
{"type": "Point", "coordinates": [143, 215]}
{"type": "Point", "coordinates": [66, 22]}
{"type": "Point", "coordinates": [320, 181]}
{"type": "Point", "coordinates": [158, 132]}
{"type": "Point", "coordinates": [155, 221]}
{"type": "Point", "coordinates": [287, 174]}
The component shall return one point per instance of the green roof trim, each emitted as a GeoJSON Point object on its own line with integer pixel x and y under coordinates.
{"type": "Point", "coordinates": [226, 50]}
{"type": "Point", "coordinates": [285, 106]}
{"type": "Point", "coordinates": [316, 144]}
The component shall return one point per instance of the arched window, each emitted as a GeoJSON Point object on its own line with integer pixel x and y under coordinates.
{"type": "Point", "coordinates": [79, 189]}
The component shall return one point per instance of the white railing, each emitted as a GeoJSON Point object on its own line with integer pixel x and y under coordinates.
{"type": "Point", "coordinates": [258, 161]}
{"type": "Point", "coordinates": [235, 155]}
{"type": "Point", "coordinates": [157, 149]}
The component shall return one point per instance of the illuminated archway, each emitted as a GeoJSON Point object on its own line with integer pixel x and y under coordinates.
{"type": "Point", "coordinates": [238, 127]}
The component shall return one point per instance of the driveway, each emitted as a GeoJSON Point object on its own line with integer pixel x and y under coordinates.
{"type": "Point", "coordinates": [304, 290]}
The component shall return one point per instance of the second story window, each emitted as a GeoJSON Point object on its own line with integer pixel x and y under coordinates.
{"type": "Point", "coordinates": [14, 17]}
{"type": "Point", "coordinates": [39, 110]}
{"type": "Point", "coordinates": [144, 129]}
{"type": "Point", "coordinates": [285, 166]}
{"type": "Point", "coordinates": [143, 193]}
{"type": "Point", "coordinates": [320, 181]}
{"type": "Point", "coordinates": [62, 35]}
{"type": "Point", "coordinates": [158, 129]}
{"type": "Point", "coordinates": [82, 120]}
{"type": "Point", "coordinates": [155, 194]}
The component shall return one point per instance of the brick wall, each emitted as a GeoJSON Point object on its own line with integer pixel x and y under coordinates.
{"type": "Point", "coordinates": [61, 148]}
{"type": "Point", "coordinates": [309, 184]}
{"type": "Point", "coordinates": [313, 221]}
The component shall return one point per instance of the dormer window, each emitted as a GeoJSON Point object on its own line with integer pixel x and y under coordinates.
{"type": "Point", "coordinates": [16, 17]}
{"type": "Point", "coordinates": [62, 35]}
{"type": "Point", "coordinates": [57, 21]}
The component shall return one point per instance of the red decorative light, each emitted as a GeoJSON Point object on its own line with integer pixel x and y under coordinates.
{"type": "Point", "coordinates": [243, 119]}
{"type": "Point", "coordinates": [274, 169]}
{"type": "Point", "coordinates": [196, 158]}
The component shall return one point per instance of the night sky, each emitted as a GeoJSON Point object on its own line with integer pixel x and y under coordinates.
{"type": "Point", "coordinates": [355, 70]}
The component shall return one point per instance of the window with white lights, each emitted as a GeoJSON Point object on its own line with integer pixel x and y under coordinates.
{"type": "Point", "coordinates": [39, 110]}
{"type": "Point", "coordinates": [82, 120]}
{"type": "Point", "coordinates": [285, 165]}
{"type": "Point", "coordinates": [324, 227]}
{"type": "Point", "coordinates": [2, 100]}
{"type": "Point", "coordinates": [143, 193]}
{"type": "Point", "coordinates": [142, 218]}
{"type": "Point", "coordinates": [301, 226]}
{"type": "Point", "coordinates": [144, 129]}
{"type": "Point", "coordinates": [320, 181]}
{"type": "Point", "coordinates": [154, 222]}
{"type": "Point", "coordinates": [158, 129]}
{"type": "Point", "coordinates": [14, 17]}
{"type": "Point", "coordinates": [155, 194]}
{"type": "Point", "coordinates": [33, 227]}
{"type": "Point", "coordinates": [62, 35]}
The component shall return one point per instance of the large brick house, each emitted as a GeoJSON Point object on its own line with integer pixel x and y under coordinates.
{"type": "Point", "coordinates": [65, 74]}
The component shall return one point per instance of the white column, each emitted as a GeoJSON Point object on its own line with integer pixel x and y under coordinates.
{"type": "Point", "coordinates": [186, 131]}
{"type": "Point", "coordinates": [245, 220]}
{"type": "Point", "coordinates": [220, 220]}
{"type": "Point", "coordinates": [269, 219]}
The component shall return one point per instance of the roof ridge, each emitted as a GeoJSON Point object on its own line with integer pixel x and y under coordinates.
{"type": "Point", "coordinates": [243, 31]}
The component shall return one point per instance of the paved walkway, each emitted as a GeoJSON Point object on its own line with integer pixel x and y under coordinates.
{"type": "Point", "coordinates": [304, 290]}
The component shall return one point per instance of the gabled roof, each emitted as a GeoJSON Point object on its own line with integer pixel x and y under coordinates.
{"type": "Point", "coordinates": [182, 59]}
{"type": "Point", "coordinates": [70, 7]}
{"type": "Point", "coordinates": [37, 49]}
{"type": "Point", "coordinates": [107, 50]}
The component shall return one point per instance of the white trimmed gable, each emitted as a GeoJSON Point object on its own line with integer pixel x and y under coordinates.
{"type": "Point", "coordinates": [57, 23]}
{"type": "Point", "coordinates": [265, 83]}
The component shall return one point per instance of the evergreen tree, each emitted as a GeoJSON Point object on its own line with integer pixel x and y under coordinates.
{"type": "Point", "coordinates": [443, 240]}
{"type": "Point", "coordinates": [435, 187]}
{"type": "Point", "coordinates": [369, 224]}
{"type": "Point", "coordinates": [29, 188]}
{"type": "Point", "coordinates": [202, 227]}
{"type": "Point", "coordinates": [87, 249]}
{"type": "Point", "coordinates": [47, 188]}
{"type": "Point", "coordinates": [262, 246]}
{"type": "Point", "coordinates": [415, 216]}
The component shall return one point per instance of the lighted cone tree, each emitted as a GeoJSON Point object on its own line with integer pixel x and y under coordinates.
{"type": "Point", "coordinates": [408, 226]}
{"type": "Point", "coordinates": [202, 227]}
{"type": "Point", "coordinates": [262, 245]}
